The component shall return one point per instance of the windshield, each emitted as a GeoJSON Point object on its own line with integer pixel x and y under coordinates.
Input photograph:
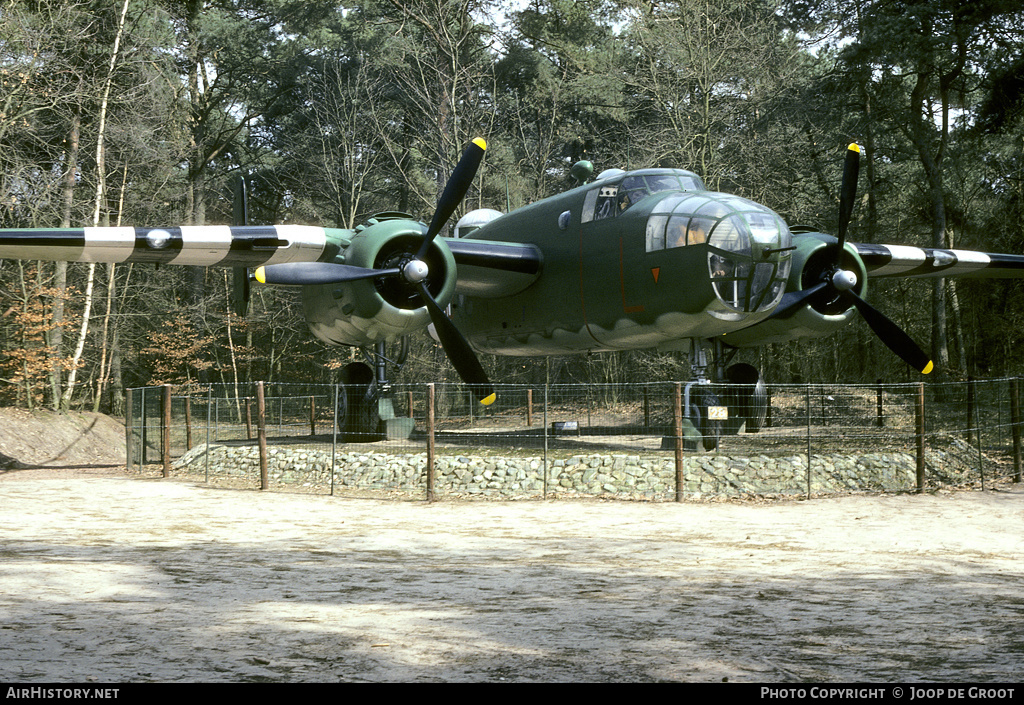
{"type": "Point", "coordinates": [610, 199]}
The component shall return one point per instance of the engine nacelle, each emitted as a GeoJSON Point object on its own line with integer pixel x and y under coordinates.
{"type": "Point", "coordinates": [366, 311]}
{"type": "Point", "coordinates": [812, 260]}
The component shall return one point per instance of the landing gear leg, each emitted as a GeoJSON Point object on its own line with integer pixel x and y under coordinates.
{"type": "Point", "coordinates": [368, 407]}
{"type": "Point", "coordinates": [701, 404]}
{"type": "Point", "coordinates": [745, 397]}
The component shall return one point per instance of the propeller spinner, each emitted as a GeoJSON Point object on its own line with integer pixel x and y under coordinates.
{"type": "Point", "coordinates": [838, 284]}
{"type": "Point", "coordinates": [414, 272]}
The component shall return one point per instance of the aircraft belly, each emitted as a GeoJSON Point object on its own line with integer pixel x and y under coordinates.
{"type": "Point", "coordinates": [509, 327]}
{"type": "Point", "coordinates": [666, 332]}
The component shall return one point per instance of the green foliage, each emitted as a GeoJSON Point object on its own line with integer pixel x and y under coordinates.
{"type": "Point", "coordinates": [336, 113]}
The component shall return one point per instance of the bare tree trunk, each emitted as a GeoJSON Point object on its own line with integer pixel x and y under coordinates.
{"type": "Point", "coordinates": [101, 182]}
{"type": "Point", "coordinates": [101, 382]}
{"type": "Point", "coordinates": [55, 336]}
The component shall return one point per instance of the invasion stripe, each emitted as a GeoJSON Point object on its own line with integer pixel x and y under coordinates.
{"type": "Point", "coordinates": [892, 260]}
{"type": "Point", "coordinates": [203, 246]}
{"type": "Point", "coordinates": [902, 261]}
{"type": "Point", "coordinates": [107, 244]}
{"type": "Point", "coordinates": [52, 244]}
{"type": "Point", "coordinates": [211, 245]}
{"type": "Point", "coordinates": [301, 243]}
{"type": "Point", "coordinates": [237, 246]}
{"type": "Point", "coordinates": [156, 245]}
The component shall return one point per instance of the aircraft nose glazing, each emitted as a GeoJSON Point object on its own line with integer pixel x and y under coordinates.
{"type": "Point", "coordinates": [749, 246]}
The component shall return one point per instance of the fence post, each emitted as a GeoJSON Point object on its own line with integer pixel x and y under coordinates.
{"type": "Point", "coordinates": [807, 404]}
{"type": "Point", "coordinates": [261, 429]}
{"type": "Point", "coordinates": [334, 436]}
{"type": "Point", "coordinates": [529, 408]}
{"type": "Point", "coordinates": [165, 431]}
{"type": "Point", "coordinates": [970, 409]}
{"type": "Point", "coordinates": [430, 442]}
{"type": "Point", "coordinates": [547, 402]}
{"type": "Point", "coordinates": [128, 423]}
{"type": "Point", "coordinates": [647, 407]}
{"type": "Point", "coordinates": [142, 429]}
{"type": "Point", "coordinates": [677, 418]}
{"type": "Point", "coordinates": [919, 423]}
{"type": "Point", "coordinates": [879, 418]}
{"type": "Point", "coordinates": [188, 423]}
{"type": "Point", "coordinates": [1015, 426]}
{"type": "Point", "coordinates": [312, 414]}
{"type": "Point", "coordinates": [209, 412]}
{"type": "Point", "coordinates": [976, 419]}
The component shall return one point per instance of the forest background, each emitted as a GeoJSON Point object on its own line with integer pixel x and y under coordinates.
{"type": "Point", "coordinates": [146, 112]}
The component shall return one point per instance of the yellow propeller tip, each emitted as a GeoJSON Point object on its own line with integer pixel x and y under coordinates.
{"type": "Point", "coordinates": [481, 143]}
{"type": "Point", "coordinates": [260, 275]}
{"type": "Point", "coordinates": [854, 147]}
{"type": "Point", "coordinates": [489, 400]}
{"type": "Point", "coordinates": [928, 368]}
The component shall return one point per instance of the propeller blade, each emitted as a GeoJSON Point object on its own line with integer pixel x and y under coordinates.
{"type": "Point", "coordinates": [240, 291]}
{"type": "Point", "coordinates": [892, 335]}
{"type": "Point", "coordinates": [848, 191]}
{"type": "Point", "coordinates": [794, 300]}
{"type": "Point", "coordinates": [301, 273]}
{"type": "Point", "coordinates": [454, 191]}
{"type": "Point", "coordinates": [457, 348]}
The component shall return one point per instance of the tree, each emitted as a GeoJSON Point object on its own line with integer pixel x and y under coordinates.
{"type": "Point", "coordinates": [934, 53]}
{"type": "Point", "coordinates": [559, 94]}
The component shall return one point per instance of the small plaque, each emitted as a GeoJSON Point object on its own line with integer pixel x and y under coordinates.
{"type": "Point", "coordinates": [718, 413]}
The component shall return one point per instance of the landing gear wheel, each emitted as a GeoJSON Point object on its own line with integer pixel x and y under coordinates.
{"type": "Point", "coordinates": [710, 430]}
{"type": "Point", "coordinates": [749, 401]}
{"type": "Point", "coordinates": [358, 404]}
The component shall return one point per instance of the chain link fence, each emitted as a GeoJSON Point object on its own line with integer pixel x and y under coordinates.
{"type": "Point", "coordinates": [646, 441]}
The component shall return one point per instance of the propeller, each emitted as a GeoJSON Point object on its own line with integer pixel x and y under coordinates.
{"type": "Point", "coordinates": [840, 283]}
{"type": "Point", "coordinates": [414, 271]}
{"type": "Point", "coordinates": [240, 291]}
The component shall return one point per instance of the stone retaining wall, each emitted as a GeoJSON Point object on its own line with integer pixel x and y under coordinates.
{"type": "Point", "coordinates": [621, 475]}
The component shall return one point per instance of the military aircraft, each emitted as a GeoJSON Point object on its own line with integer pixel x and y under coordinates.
{"type": "Point", "coordinates": [639, 259]}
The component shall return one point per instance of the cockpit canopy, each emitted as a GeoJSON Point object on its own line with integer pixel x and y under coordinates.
{"type": "Point", "coordinates": [614, 196]}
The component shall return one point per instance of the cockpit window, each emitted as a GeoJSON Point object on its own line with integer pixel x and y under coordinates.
{"type": "Point", "coordinates": [608, 200]}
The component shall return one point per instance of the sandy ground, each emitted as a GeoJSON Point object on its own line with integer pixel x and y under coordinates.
{"type": "Point", "coordinates": [118, 579]}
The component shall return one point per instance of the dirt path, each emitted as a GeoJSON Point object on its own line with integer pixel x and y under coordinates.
{"type": "Point", "coordinates": [114, 579]}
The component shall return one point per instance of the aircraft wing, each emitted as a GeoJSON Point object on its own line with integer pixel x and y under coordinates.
{"type": "Point", "coordinates": [904, 261]}
{"type": "Point", "coordinates": [206, 246]}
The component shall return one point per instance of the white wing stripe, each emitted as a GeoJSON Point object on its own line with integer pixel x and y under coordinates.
{"type": "Point", "coordinates": [107, 244]}
{"type": "Point", "coordinates": [203, 245]}
{"type": "Point", "coordinates": [903, 259]}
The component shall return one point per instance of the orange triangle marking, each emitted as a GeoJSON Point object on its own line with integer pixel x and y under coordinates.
{"type": "Point", "coordinates": [656, 271]}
